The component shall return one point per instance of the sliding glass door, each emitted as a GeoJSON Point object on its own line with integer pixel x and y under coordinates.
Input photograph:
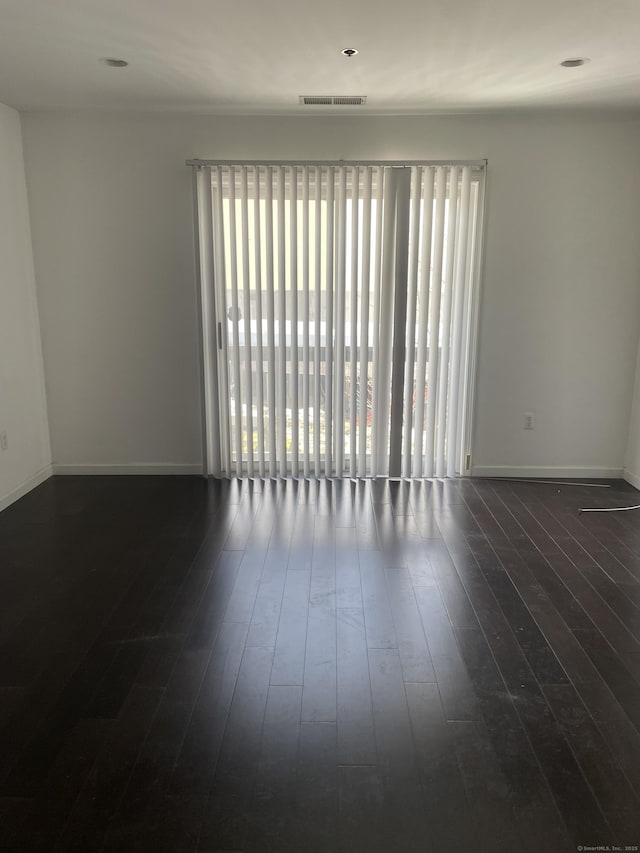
{"type": "Point", "coordinates": [337, 307]}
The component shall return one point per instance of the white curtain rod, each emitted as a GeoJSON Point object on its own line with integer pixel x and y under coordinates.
{"type": "Point", "coordinates": [475, 164]}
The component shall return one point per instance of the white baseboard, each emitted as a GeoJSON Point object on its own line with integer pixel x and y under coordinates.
{"type": "Point", "coordinates": [631, 478]}
{"type": "Point", "coordinates": [33, 481]}
{"type": "Point", "coordinates": [547, 472]}
{"type": "Point", "coordinates": [132, 468]}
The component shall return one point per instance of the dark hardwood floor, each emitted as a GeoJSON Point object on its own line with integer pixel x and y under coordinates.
{"type": "Point", "coordinates": [318, 666]}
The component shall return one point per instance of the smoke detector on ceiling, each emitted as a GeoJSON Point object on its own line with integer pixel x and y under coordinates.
{"type": "Point", "coordinates": [332, 100]}
{"type": "Point", "coordinates": [576, 62]}
{"type": "Point", "coordinates": [115, 63]}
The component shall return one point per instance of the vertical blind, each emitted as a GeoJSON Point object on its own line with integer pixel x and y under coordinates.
{"type": "Point", "coordinates": [336, 309]}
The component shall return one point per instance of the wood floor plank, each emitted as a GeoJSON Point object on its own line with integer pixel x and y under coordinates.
{"type": "Point", "coordinates": [412, 643]}
{"type": "Point", "coordinates": [509, 575]}
{"type": "Point", "coordinates": [10, 699]}
{"type": "Point", "coordinates": [14, 814]}
{"type": "Point", "coordinates": [301, 551]}
{"type": "Point", "coordinates": [61, 787]}
{"type": "Point", "coordinates": [263, 630]}
{"type": "Point", "coordinates": [614, 673]}
{"type": "Point", "coordinates": [243, 597]}
{"type": "Point", "coordinates": [195, 766]}
{"type": "Point", "coordinates": [520, 758]}
{"type": "Point", "coordinates": [614, 794]}
{"type": "Point", "coordinates": [175, 829]}
{"type": "Point", "coordinates": [348, 586]}
{"type": "Point", "coordinates": [378, 618]}
{"type": "Point", "coordinates": [272, 815]}
{"type": "Point", "coordinates": [225, 819]}
{"type": "Point", "coordinates": [458, 697]}
{"type": "Point", "coordinates": [403, 808]}
{"type": "Point", "coordinates": [356, 740]}
{"type": "Point", "coordinates": [623, 741]}
{"type": "Point", "coordinates": [598, 609]}
{"type": "Point", "coordinates": [288, 659]}
{"type": "Point", "coordinates": [449, 815]}
{"type": "Point", "coordinates": [98, 801]}
{"type": "Point", "coordinates": [139, 812]}
{"type": "Point", "coordinates": [491, 822]}
{"type": "Point", "coordinates": [316, 804]}
{"type": "Point", "coordinates": [37, 756]}
{"type": "Point", "coordinates": [320, 664]}
{"type": "Point", "coordinates": [254, 665]}
{"type": "Point", "coordinates": [452, 591]}
{"type": "Point", "coordinates": [361, 824]}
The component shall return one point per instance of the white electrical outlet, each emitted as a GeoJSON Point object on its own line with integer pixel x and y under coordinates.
{"type": "Point", "coordinates": [4, 440]}
{"type": "Point", "coordinates": [528, 420]}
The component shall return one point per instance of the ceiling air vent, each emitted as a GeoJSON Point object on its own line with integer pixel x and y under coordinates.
{"type": "Point", "coordinates": [333, 100]}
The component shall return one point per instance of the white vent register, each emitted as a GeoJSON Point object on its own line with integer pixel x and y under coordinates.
{"type": "Point", "coordinates": [332, 100]}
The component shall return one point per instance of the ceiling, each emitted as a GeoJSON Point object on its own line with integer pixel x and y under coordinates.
{"type": "Point", "coordinates": [247, 56]}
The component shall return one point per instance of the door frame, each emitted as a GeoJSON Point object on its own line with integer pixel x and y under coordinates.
{"type": "Point", "coordinates": [211, 338]}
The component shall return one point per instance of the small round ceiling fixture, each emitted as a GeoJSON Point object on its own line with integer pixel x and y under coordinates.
{"type": "Point", "coordinates": [575, 63]}
{"type": "Point", "coordinates": [115, 63]}
{"type": "Point", "coordinates": [349, 52]}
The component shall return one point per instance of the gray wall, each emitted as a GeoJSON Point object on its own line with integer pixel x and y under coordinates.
{"type": "Point", "coordinates": [23, 414]}
{"type": "Point", "coordinates": [110, 201]}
